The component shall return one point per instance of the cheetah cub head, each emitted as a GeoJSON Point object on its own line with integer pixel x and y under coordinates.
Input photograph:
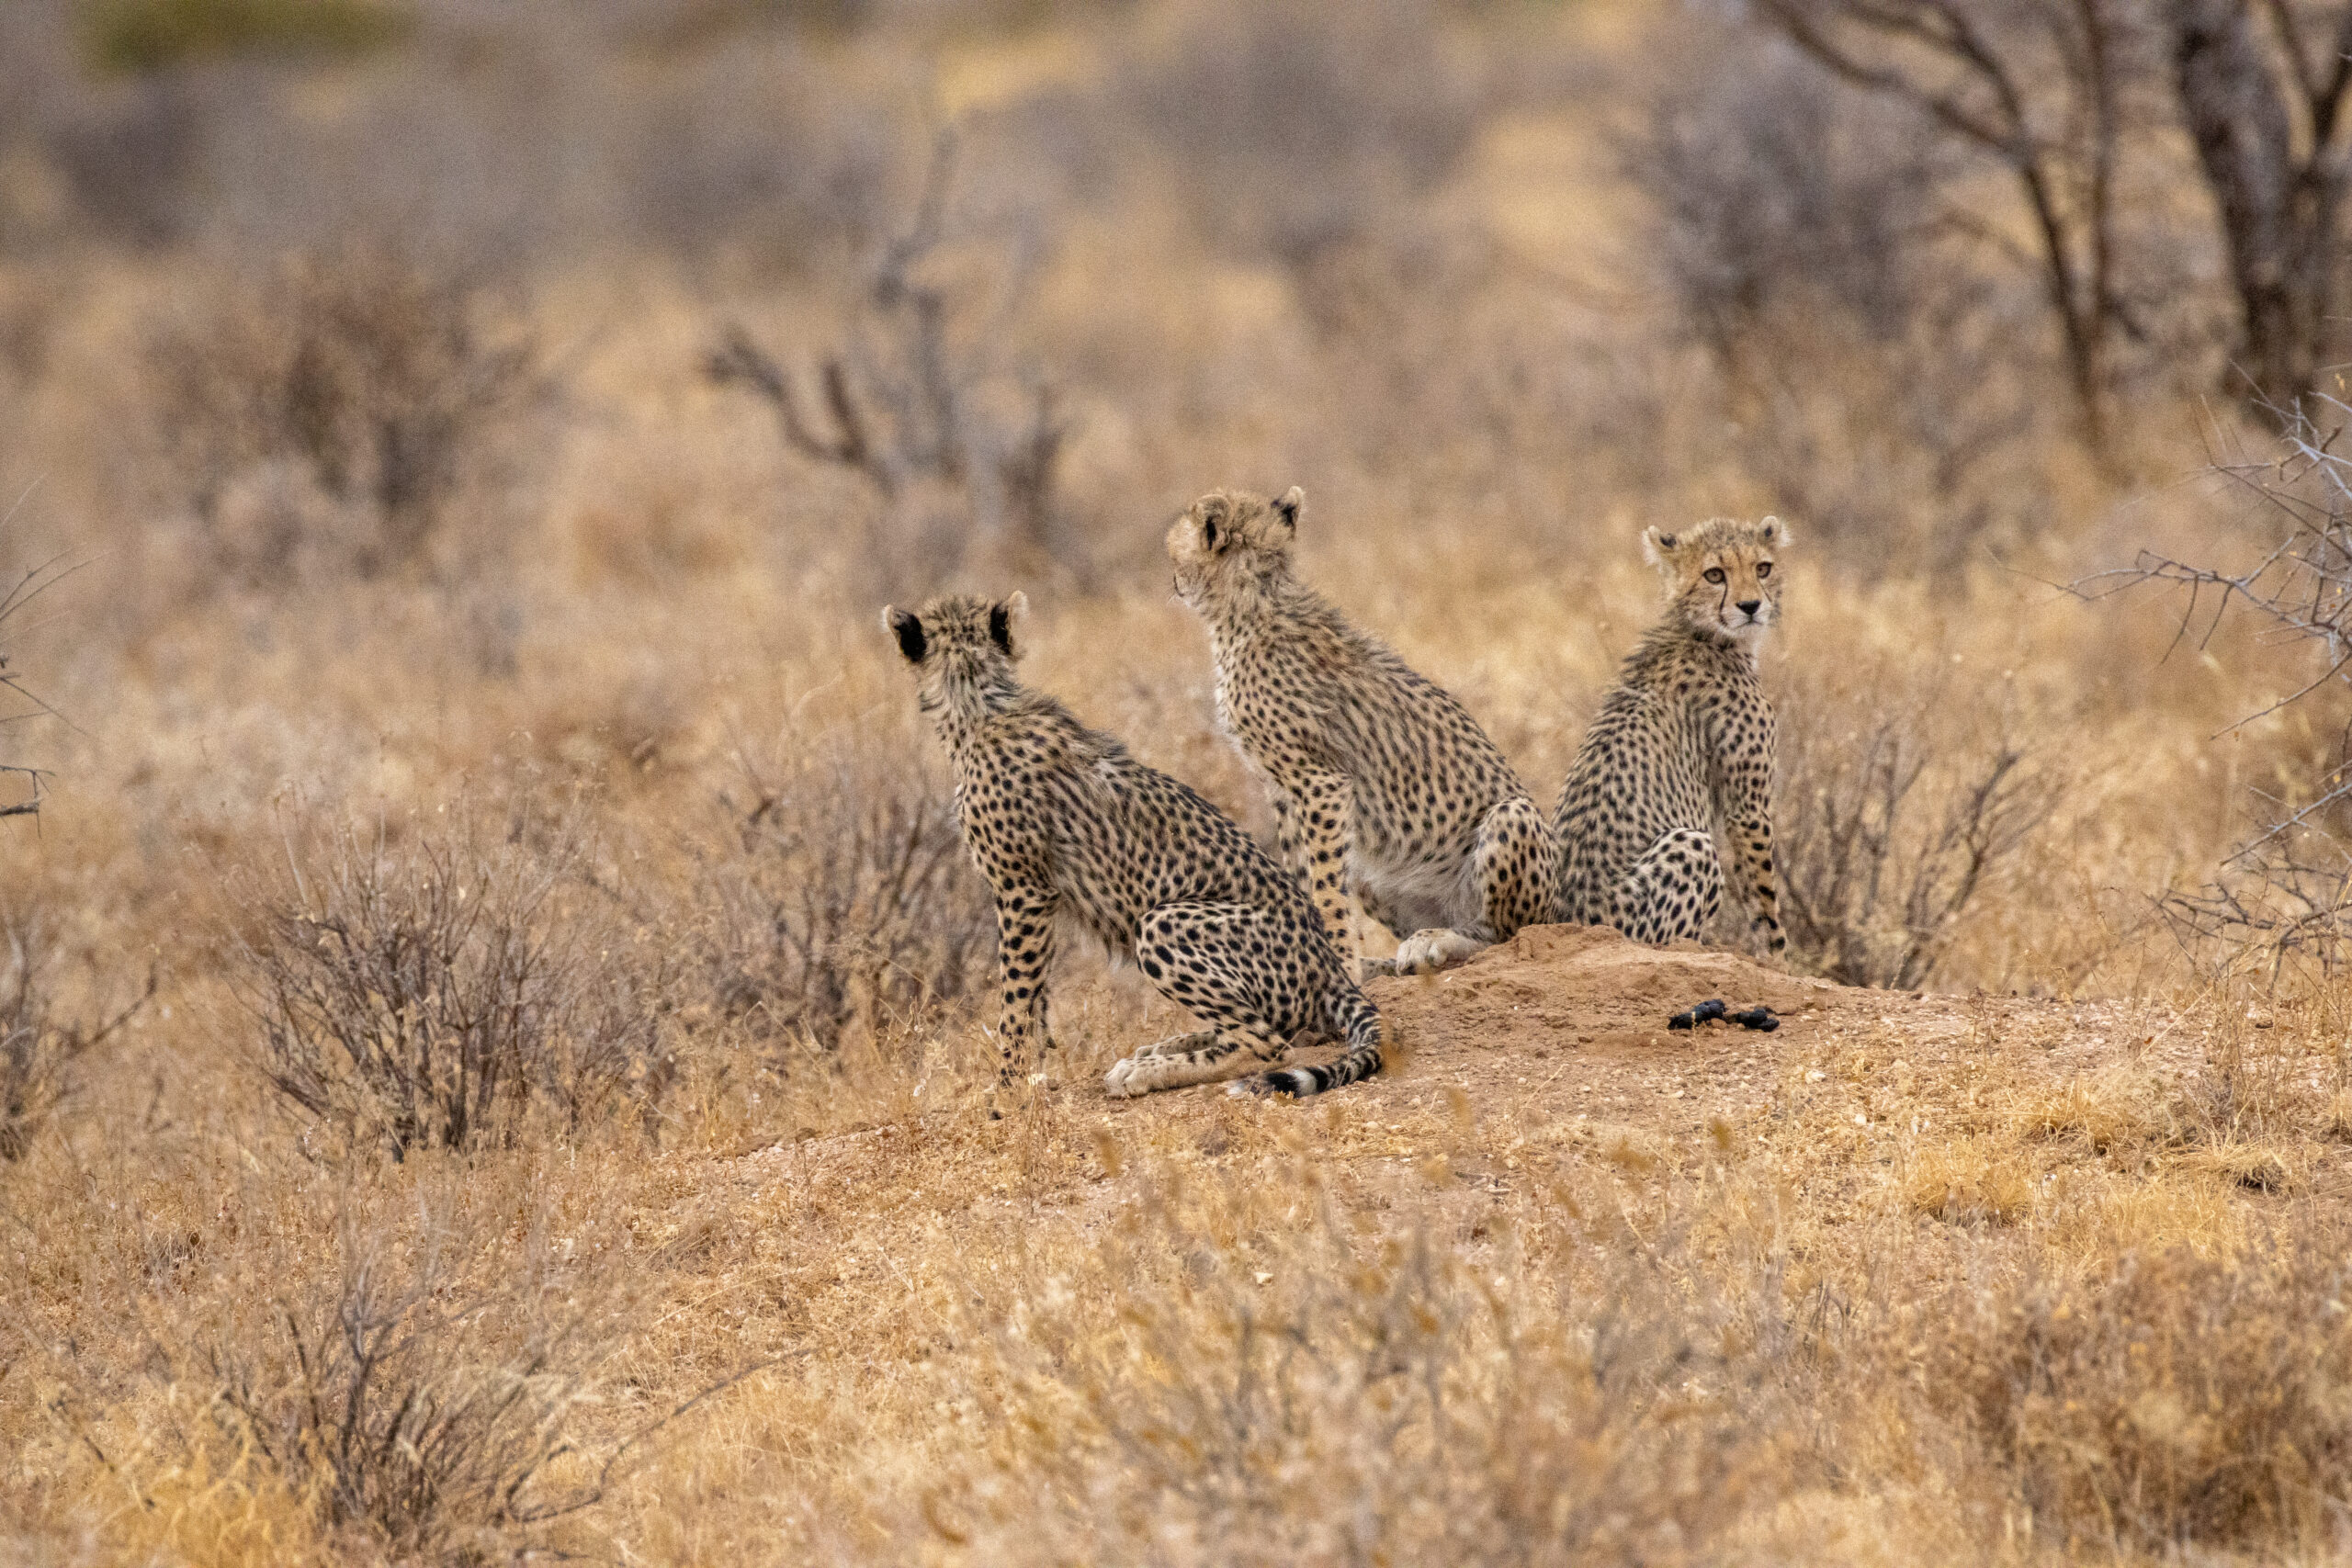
{"type": "Point", "coordinates": [1722, 577]}
{"type": "Point", "coordinates": [1229, 544]}
{"type": "Point", "coordinates": [961, 645]}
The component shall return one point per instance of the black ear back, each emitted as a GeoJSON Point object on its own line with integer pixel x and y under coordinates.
{"type": "Point", "coordinates": [1287, 508]}
{"type": "Point", "coordinates": [908, 631]}
{"type": "Point", "coordinates": [1000, 628]}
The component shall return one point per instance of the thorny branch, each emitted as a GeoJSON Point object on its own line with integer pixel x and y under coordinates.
{"type": "Point", "coordinates": [2288, 891]}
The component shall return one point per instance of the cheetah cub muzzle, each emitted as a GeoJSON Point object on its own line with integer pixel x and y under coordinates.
{"type": "Point", "coordinates": [1683, 746]}
{"type": "Point", "coordinates": [1382, 784]}
{"type": "Point", "coordinates": [1068, 829]}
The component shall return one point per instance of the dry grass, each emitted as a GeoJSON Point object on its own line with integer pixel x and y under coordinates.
{"type": "Point", "coordinates": [562, 722]}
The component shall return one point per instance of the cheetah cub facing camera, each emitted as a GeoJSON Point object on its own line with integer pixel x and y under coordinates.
{"type": "Point", "coordinates": [1683, 743]}
{"type": "Point", "coordinates": [1382, 783]}
{"type": "Point", "coordinates": [1071, 830]}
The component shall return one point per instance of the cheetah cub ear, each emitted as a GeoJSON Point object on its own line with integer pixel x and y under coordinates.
{"type": "Point", "coordinates": [1002, 618]}
{"type": "Point", "coordinates": [1657, 547]}
{"type": "Point", "coordinates": [907, 629]}
{"type": "Point", "coordinates": [1773, 532]}
{"type": "Point", "coordinates": [1293, 502]}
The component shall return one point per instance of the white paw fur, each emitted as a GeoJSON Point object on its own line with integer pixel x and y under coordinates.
{"type": "Point", "coordinates": [1425, 952]}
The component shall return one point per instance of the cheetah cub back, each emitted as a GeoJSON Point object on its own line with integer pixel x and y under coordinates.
{"type": "Point", "coordinates": [1682, 745]}
{"type": "Point", "coordinates": [1382, 783]}
{"type": "Point", "coordinates": [1069, 829]}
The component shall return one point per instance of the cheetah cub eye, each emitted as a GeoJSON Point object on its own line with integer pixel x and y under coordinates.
{"type": "Point", "coordinates": [1715, 575]}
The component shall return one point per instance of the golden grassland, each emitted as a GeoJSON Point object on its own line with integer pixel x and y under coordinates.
{"type": "Point", "coordinates": [2042, 1264]}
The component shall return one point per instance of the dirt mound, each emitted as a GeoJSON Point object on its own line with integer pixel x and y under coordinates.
{"type": "Point", "coordinates": [1553, 986]}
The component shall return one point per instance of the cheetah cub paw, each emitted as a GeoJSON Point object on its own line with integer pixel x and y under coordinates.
{"type": "Point", "coordinates": [1425, 952]}
{"type": "Point", "coordinates": [1132, 1076]}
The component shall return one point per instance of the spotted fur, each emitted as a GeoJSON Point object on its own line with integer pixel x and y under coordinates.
{"type": "Point", "coordinates": [1382, 783]}
{"type": "Point", "coordinates": [1682, 745]}
{"type": "Point", "coordinates": [1071, 830]}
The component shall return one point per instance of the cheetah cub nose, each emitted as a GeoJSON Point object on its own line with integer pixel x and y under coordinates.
{"type": "Point", "coordinates": [1749, 607]}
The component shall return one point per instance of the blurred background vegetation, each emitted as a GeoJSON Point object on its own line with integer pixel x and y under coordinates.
{"type": "Point", "coordinates": [483, 433]}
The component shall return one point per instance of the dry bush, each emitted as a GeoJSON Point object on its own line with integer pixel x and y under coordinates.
{"type": "Point", "coordinates": [38, 1045]}
{"type": "Point", "coordinates": [444, 993]}
{"type": "Point", "coordinates": [1242, 1378]}
{"type": "Point", "coordinates": [2179, 1403]}
{"type": "Point", "coordinates": [412, 1404]}
{"type": "Point", "coordinates": [842, 900]}
{"type": "Point", "coordinates": [2281, 901]}
{"type": "Point", "coordinates": [329, 415]}
{"type": "Point", "coordinates": [1896, 821]}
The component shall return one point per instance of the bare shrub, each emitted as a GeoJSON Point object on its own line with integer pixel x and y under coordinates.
{"type": "Point", "coordinates": [414, 1404]}
{"type": "Point", "coordinates": [920, 398]}
{"type": "Point", "coordinates": [2181, 1402]}
{"type": "Point", "coordinates": [2282, 899]}
{"type": "Point", "coordinates": [330, 414]}
{"type": "Point", "coordinates": [441, 993]}
{"type": "Point", "coordinates": [843, 898]}
{"type": "Point", "coordinates": [1893, 828]}
{"type": "Point", "coordinates": [2282, 904]}
{"type": "Point", "coordinates": [39, 1044]}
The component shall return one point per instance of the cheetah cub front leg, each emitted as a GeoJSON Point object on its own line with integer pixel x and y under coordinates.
{"type": "Point", "coordinates": [1311, 827]}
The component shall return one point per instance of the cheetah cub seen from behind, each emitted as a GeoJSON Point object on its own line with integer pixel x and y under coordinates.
{"type": "Point", "coordinates": [1683, 744]}
{"type": "Point", "coordinates": [1382, 783]}
{"type": "Point", "coordinates": [1069, 829]}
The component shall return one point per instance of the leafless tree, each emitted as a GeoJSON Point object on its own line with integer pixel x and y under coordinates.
{"type": "Point", "coordinates": [2262, 86]}
{"type": "Point", "coordinates": [2036, 86]}
{"type": "Point", "coordinates": [901, 403]}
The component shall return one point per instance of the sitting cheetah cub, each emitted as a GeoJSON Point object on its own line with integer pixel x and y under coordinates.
{"type": "Point", "coordinates": [1382, 783]}
{"type": "Point", "coordinates": [1068, 827]}
{"type": "Point", "coordinates": [1683, 743]}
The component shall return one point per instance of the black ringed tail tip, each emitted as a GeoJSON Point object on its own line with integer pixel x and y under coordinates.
{"type": "Point", "coordinates": [1301, 1082]}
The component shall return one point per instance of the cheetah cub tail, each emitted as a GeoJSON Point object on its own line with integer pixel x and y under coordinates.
{"type": "Point", "coordinates": [1352, 1018]}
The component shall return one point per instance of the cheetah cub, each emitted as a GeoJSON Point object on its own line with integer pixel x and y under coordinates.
{"type": "Point", "coordinates": [1682, 744]}
{"type": "Point", "coordinates": [1071, 830]}
{"type": "Point", "coordinates": [1381, 782]}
